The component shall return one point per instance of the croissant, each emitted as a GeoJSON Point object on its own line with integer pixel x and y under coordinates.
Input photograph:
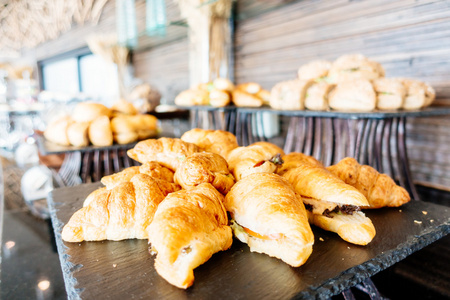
{"type": "Point", "coordinates": [215, 141]}
{"type": "Point", "coordinates": [151, 168]}
{"type": "Point", "coordinates": [205, 168]}
{"type": "Point", "coordinates": [189, 226]}
{"type": "Point", "coordinates": [166, 151]}
{"type": "Point", "coordinates": [270, 217]}
{"type": "Point", "coordinates": [379, 189]}
{"type": "Point", "coordinates": [123, 212]}
{"type": "Point", "coordinates": [260, 157]}
{"type": "Point", "coordinates": [356, 228]}
{"type": "Point", "coordinates": [327, 196]}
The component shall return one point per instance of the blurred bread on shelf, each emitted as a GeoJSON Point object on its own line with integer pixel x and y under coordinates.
{"type": "Point", "coordinates": [317, 95]}
{"type": "Point", "coordinates": [56, 131]}
{"type": "Point", "coordinates": [354, 66]}
{"type": "Point", "coordinates": [390, 93]}
{"type": "Point", "coordinates": [289, 95]}
{"type": "Point", "coordinates": [100, 133]}
{"type": "Point", "coordinates": [145, 98]}
{"type": "Point", "coordinates": [124, 107]}
{"type": "Point", "coordinates": [354, 95]}
{"type": "Point", "coordinates": [314, 70]}
{"type": "Point", "coordinates": [89, 111]}
{"type": "Point", "coordinates": [192, 97]}
{"type": "Point", "coordinates": [418, 94]}
{"type": "Point", "coordinates": [77, 134]}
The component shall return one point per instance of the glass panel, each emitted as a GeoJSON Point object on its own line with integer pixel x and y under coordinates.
{"type": "Point", "coordinates": [99, 79]}
{"type": "Point", "coordinates": [61, 76]}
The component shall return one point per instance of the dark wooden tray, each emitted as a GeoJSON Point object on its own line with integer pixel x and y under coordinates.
{"type": "Point", "coordinates": [124, 270]}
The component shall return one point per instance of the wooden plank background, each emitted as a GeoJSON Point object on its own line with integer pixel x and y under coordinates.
{"type": "Point", "coordinates": [411, 38]}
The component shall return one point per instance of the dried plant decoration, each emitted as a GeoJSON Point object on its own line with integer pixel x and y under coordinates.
{"type": "Point", "coordinates": [209, 37]}
{"type": "Point", "coordinates": [28, 23]}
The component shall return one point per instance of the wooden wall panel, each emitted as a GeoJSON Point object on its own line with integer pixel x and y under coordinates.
{"type": "Point", "coordinates": [410, 38]}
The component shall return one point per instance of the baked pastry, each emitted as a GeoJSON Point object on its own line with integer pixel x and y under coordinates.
{"type": "Point", "coordinates": [166, 151]}
{"type": "Point", "coordinates": [155, 170]}
{"type": "Point", "coordinates": [289, 95]}
{"type": "Point", "coordinates": [146, 126]}
{"type": "Point", "coordinates": [187, 229]}
{"type": "Point", "coordinates": [314, 70]}
{"type": "Point", "coordinates": [56, 131]}
{"type": "Point", "coordinates": [243, 98]}
{"type": "Point", "coordinates": [123, 212]}
{"type": "Point", "coordinates": [296, 159]}
{"type": "Point", "coordinates": [327, 196]}
{"type": "Point", "coordinates": [379, 189]}
{"type": "Point", "coordinates": [124, 107]}
{"type": "Point", "coordinates": [123, 130]}
{"type": "Point", "coordinates": [356, 228]}
{"type": "Point", "coordinates": [216, 141]}
{"type": "Point", "coordinates": [205, 167]}
{"type": "Point", "coordinates": [219, 98]}
{"type": "Point", "coordinates": [390, 93]}
{"type": "Point", "coordinates": [223, 84]}
{"type": "Point", "coordinates": [77, 133]}
{"type": "Point", "coordinates": [192, 97]}
{"type": "Point", "coordinates": [355, 95]}
{"type": "Point", "coordinates": [89, 111]}
{"type": "Point", "coordinates": [260, 157]}
{"type": "Point", "coordinates": [418, 94]}
{"type": "Point", "coordinates": [100, 133]}
{"type": "Point", "coordinates": [264, 95]}
{"type": "Point", "coordinates": [270, 217]}
{"type": "Point", "coordinates": [353, 67]}
{"type": "Point", "coordinates": [151, 168]}
{"type": "Point", "coordinates": [251, 88]}
{"type": "Point", "coordinates": [316, 97]}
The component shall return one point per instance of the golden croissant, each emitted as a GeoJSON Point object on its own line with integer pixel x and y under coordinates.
{"type": "Point", "coordinates": [260, 157]}
{"type": "Point", "coordinates": [124, 212]}
{"type": "Point", "coordinates": [205, 167]}
{"type": "Point", "coordinates": [326, 197]}
{"type": "Point", "coordinates": [216, 141]}
{"type": "Point", "coordinates": [270, 217]}
{"type": "Point", "coordinates": [187, 229]}
{"type": "Point", "coordinates": [151, 168]}
{"type": "Point", "coordinates": [166, 151]}
{"type": "Point", "coordinates": [379, 189]}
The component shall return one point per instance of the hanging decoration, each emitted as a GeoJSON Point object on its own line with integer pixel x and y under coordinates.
{"type": "Point", "coordinates": [28, 23]}
{"type": "Point", "coordinates": [209, 38]}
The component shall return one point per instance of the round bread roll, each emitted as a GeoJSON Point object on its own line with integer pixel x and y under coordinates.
{"type": "Point", "coordinates": [355, 95]}
{"type": "Point", "coordinates": [317, 96]}
{"type": "Point", "coordinates": [355, 66]}
{"type": "Point", "coordinates": [314, 70]}
{"type": "Point", "coordinates": [125, 137]}
{"type": "Point", "coordinates": [78, 134]}
{"type": "Point", "coordinates": [241, 98]}
{"type": "Point", "coordinates": [390, 93]}
{"type": "Point", "coordinates": [219, 98]}
{"type": "Point", "coordinates": [89, 111]}
{"type": "Point", "coordinates": [289, 95]}
{"type": "Point", "coordinates": [250, 87]}
{"type": "Point", "coordinates": [100, 133]}
{"type": "Point", "coordinates": [223, 84]}
{"type": "Point", "coordinates": [192, 97]}
{"type": "Point", "coordinates": [56, 131]}
{"type": "Point", "coordinates": [418, 94]}
{"type": "Point", "coordinates": [124, 107]}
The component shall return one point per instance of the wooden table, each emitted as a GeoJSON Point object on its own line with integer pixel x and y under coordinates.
{"type": "Point", "coordinates": [124, 270]}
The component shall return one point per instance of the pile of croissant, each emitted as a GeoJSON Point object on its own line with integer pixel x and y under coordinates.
{"type": "Point", "coordinates": [221, 92]}
{"type": "Point", "coordinates": [191, 195]}
{"type": "Point", "coordinates": [96, 124]}
{"type": "Point", "coordinates": [350, 83]}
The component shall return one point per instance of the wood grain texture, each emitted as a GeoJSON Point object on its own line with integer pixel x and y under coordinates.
{"type": "Point", "coordinates": [124, 270]}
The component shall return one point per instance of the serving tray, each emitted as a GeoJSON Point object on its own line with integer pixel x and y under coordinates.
{"type": "Point", "coordinates": [124, 270]}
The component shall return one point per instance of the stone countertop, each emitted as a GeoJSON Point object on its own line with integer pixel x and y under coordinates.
{"type": "Point", "coordinates": [125, 269]}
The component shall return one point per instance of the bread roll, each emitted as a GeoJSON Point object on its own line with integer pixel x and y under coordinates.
{"type": "Point", "coordinates": [100, 133]}
{"type": "Point", "coordinates": [317, 69]}
{"type": "Point", "coordinates": [317, 96]}
{"type": "Point", "coordinates": [353, 67]}
{"type": "Point", "coordinates": [77, 134]}
{"type": "Point", "coordinates": [192, 97]}
{"type": "Point", "coordinates": [355, 95]}
{"type": "Point", "coordinates": [390, 93]}
{"type": "Point", "coordinates": [223, 84]}
{"type": "Point", "coordinates": [289, 95]}
{"type": "Point", "coordinates": [56, 131]}
{"type": "Point", "coordinates": [245, 99]}
{"type": "Point", "coordinates": [89, 111]}
{"type": "Point", "coordinates": [219, 98]}
{"type": "Point", "coordinates": [418, 94]}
